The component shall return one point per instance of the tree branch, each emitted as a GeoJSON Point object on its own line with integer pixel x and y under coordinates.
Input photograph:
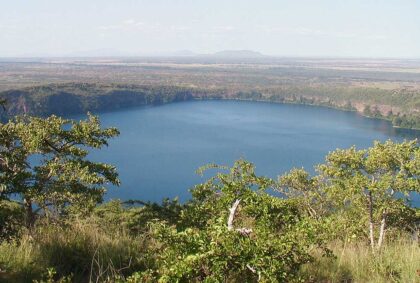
{"type": "Point", "coordinates": [243, 231]}
{"type": "Point", "coordinates": [254, 271]}
{"type": "Point", "coordinates": [232, 214]}
{"type": "Point", "coordinates": [52, 146]}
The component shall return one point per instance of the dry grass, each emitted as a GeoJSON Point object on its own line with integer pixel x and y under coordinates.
{"type": "Point", "coordinates": [84, 250]}
{"type": "Point", "coordinates": [95, 253]}
{"type": "Point", "coordinates": [397, 262]}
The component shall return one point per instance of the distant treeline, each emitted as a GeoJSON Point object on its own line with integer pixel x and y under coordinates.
{"type": "Point", "coordinates": [401, 107]}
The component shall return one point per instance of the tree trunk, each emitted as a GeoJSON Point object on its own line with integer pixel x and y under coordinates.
{"type": "Point", "coordinates": [29, 218]}
{"type": "Point", "coordinates": [382, 230]}
{"type": "Point", "coordinates": [371, 226]}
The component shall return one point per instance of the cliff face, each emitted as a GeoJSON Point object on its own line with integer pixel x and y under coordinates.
{"type": "Point", "coordinates": [60, 104]}
{"type": "Point", "coordinates": [20, 102]}
{"type": "Point", "coordinates": [17, 102]}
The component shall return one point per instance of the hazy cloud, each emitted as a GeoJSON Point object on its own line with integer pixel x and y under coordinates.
{"type": "Point", "coordinates": [134, 25]}
{"type": "Point", "coordinates": [274, 27]}
{"type": "Point", "coordinates": [305, 31]}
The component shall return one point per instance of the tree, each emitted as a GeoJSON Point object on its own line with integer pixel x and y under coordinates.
{"type": "Point", "coordinates": [44, 163]}
{"type": "Point", "coordinates": [378, 181]}
{"type": "Point", "coordinates": [232, 230]}
{"type": "Point", "coordinates": [306, 190]}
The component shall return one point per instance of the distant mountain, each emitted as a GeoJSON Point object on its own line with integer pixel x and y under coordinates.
{"type": "Point", "coordinates": [238, 54]}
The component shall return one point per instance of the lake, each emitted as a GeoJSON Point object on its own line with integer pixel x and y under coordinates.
{"type": "Point", "coordinates": [160, 147]}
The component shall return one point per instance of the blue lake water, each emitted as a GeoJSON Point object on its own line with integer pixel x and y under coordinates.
{"type": "Point", "coordinates": [160, 147]}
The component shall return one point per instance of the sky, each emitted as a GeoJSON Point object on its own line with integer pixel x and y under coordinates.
{"type": "Point", "coordinates": [321, 28]}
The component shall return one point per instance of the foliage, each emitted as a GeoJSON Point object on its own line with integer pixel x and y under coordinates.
{"type": "Point", "coordinates": [11, 219]}
{"type": "Point", "coordinates": [357, 189]}
{"type": "Point", "coordinates": [124, 258]}
{"type": "Point", "coordinates": [270, 244]}
{"type": "Point", "coordinates": [378, 180]}
{"type": "Point", "coordinates": [49, 277]}
{"type": "Point", "coordinates": [43, 162]}
{"type": "Point", "coordinates": [135, 215]}
{"type": "Point", "coordinates": [406, 121]}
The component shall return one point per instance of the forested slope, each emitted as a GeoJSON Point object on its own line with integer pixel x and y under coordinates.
{"type": "Point", "coordinates": [401, 107]}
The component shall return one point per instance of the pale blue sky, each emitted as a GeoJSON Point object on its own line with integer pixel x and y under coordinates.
{"type": "Point", "coordinates": [366, 28]}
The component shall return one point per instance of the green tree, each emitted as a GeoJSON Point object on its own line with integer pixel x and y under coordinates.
{"type": "Point", "coordinates": [44, 163]}
{"type": "Point", "coordinates": [377, 181]}
{"type": "Point", "coordinates": [307, 191]}
{"type": "Point", "coordinates": [233, 230]}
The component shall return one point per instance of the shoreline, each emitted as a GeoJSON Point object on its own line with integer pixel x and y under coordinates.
{"type": "Point", "coordinates": [194, 96]}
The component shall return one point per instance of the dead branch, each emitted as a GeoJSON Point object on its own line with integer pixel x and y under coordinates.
{"type": "Point", "coordinates": [232, 211]}
{"type": "Point", "coordinates": [242, 231]}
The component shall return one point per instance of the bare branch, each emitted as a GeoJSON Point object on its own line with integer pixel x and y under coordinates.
{"type": "Point", "coordinates": [254, 271]}
{"type": "Point", "coordinates": [232, 214]}
{"type": "Point", "coordinates": [243, 231]}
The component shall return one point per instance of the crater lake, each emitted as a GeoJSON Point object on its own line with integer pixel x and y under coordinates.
{"type": "Point", "coordinates": [160, 147]}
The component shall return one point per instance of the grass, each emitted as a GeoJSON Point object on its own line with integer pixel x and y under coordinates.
{"type": "Point", "coordinates": [114, 243]}
{"type": "Point", "coordinates": [90, 252]}
{"type": "Point", "coordinates": [398, 261]}
{"type": "Point", "coordinates": [83, 250]}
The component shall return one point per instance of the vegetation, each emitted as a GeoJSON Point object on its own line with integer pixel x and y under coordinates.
{"type": "Point", "coordinates": [65, 99]}
{"type": "Point", "coordinates": [234, 227]}
{"type": "Point", "coordinates": [385, 89]}
{"type": "Point", "coordinates": [43, 163]}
